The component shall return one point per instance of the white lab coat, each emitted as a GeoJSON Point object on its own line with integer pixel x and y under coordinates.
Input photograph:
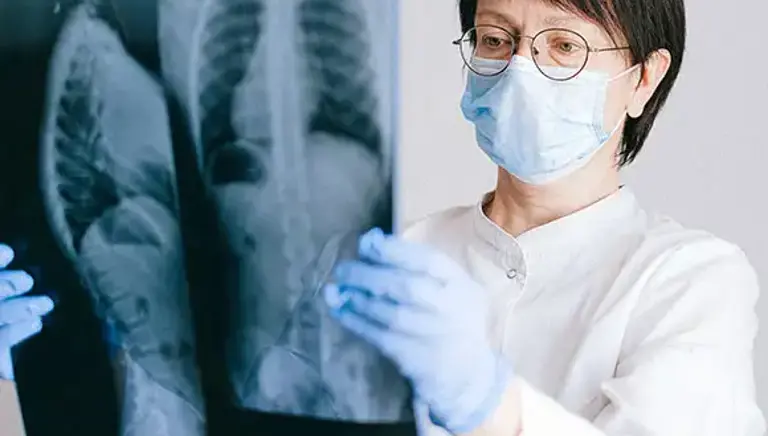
{"type": "Point", "coordinates": [618, 322]}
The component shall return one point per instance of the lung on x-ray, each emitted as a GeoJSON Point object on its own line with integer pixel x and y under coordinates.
{"type": "Point", "coordinates": [201, 166]}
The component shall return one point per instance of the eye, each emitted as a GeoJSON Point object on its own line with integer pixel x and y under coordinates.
{"type": "Point", "coordinates": [566, 47]}
{"type": "Point", "coordinates": [492, 41]}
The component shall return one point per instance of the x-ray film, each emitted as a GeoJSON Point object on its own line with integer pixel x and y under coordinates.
{"type": "Point", "coordinates": [201, 165]}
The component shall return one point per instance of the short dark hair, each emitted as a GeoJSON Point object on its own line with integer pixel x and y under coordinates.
{"type": "Point", "coordinates": [646, 26]}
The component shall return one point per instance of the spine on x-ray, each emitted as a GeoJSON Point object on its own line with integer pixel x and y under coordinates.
{"type": "Point", "coordinates": [288, 103]}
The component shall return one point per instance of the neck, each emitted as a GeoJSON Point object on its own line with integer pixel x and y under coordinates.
{"type": "Point", "coordinates": [518, 207]}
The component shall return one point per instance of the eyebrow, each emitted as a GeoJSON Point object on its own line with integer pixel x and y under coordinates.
{"type": "Point", "coordinates": [509, 20]}
{"type": "Point", "coordinates": [499, 18]}
{"type": "Point", "coordinates": [558, 20]}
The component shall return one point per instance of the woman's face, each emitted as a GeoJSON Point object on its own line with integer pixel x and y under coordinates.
{"type": "Point", "coordinates": [627, 94]}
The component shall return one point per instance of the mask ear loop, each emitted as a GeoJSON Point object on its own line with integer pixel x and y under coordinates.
{"type": "Point", "coordinates": [626, 109]}
{"type": "Point", "coordinates": [625, 72]}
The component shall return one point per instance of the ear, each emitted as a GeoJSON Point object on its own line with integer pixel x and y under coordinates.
{"type": "Point", "coordinates": [655, 68]}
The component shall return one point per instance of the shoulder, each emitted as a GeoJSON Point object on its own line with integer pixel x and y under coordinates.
{"type": "Point", "coordinates": [437, 224]}
{"type": "Point", "coordinates": [444, 229]}
{"type": "Point", "coordinates": [691, 319]}
{"type": "Point", "coordinates": [691, 278]}
{"type": "Point", "coordinates": [676, 249]}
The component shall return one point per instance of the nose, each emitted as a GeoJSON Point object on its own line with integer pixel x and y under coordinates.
{"type": "Point", "coordinates": [525, 47]}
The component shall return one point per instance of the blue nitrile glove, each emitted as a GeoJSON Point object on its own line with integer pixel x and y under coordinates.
{"type": "Point", "coordinates": [20, 317]}
{"type": "Point", "coordinates": [425, 313]}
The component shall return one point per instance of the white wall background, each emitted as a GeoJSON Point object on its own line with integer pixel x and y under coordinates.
{"type": "Point", "coordinates": [705, 162]}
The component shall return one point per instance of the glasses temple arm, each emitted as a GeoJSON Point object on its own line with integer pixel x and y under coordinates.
{"type": "Point", "coordinates": [601, 50]}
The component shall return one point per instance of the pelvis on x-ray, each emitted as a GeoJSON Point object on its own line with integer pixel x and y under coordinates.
{"type": "Point", "coordinates": [287, 107]}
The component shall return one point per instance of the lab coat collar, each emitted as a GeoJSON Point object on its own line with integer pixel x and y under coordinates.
{"type": "Point", "coordinates": [559, 239]}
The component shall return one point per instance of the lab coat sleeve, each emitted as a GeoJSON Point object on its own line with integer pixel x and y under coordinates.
{"type": "Point", "coordinates": [10, 412]}
{"type": "Point", "coordinates": [686, 362]}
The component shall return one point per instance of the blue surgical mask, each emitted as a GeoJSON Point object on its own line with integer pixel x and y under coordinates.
{"type": "Point", "coordinates": [537, 129]}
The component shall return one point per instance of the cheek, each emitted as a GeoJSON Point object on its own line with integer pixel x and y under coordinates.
{"type": "Point", "coordinates": [616, 102]}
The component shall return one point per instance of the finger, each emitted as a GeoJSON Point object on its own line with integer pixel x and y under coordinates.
{"type": "Point", "coordinates": [333, 297]}
{"type": "Point", "coordinates": [407, 320]}
{"type": "Point", "coordinates": [338, 303]}
{"type": "Point", "coordinates": [400, 286]}
{"type": "Point", "coordinates": [393, 251]}
{"type": "Point", "coordinates": [6, 255]}
{"type": "Point", "coordinates": [386, 341]}
{"type": "Point", "coordinates": [24, 309]}
{"type": "Point", "coordinates": [13, 334]}
{"type": "Point", "coordinates": [377, 310]}
{"type": "Point", "coordinates": [13, 283]}
{"type": "Point", "coordinates": [340, 300]}
{"type": "Point", "coordinates": [401, 349]}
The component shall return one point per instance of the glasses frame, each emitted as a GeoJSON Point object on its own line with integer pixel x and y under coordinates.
{"type": "Point", "coordinates": [518, 42]}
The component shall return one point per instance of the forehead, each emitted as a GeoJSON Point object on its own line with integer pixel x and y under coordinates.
{"type": "Point", "coordinates": [531, 16]}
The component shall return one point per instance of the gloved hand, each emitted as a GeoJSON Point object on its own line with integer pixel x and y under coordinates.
{"type": "Point", "coordinates": [20, 317]}
{"type": "Point", "coordinates": [425, 313]}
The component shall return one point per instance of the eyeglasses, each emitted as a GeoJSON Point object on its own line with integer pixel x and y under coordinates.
{"type": "Point", "coordinates": [559, 54]}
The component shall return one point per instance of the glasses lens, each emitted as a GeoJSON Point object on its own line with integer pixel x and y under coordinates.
{"type": "Point", "coordinates": [487, 50]}
{"type": "Point", "coordinates": [560, 54]}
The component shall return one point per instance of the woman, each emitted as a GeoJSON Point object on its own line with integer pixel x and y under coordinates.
{"type": "Point", "coordinates": [558, 305]}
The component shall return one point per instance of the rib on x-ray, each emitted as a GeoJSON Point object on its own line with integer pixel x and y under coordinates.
{"type": "Point", "coordinates": [108, 182]}
{"type": "Point", "coordinates": [282, 99]}
{"type": "Point", "coordinates": [287, 108]}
